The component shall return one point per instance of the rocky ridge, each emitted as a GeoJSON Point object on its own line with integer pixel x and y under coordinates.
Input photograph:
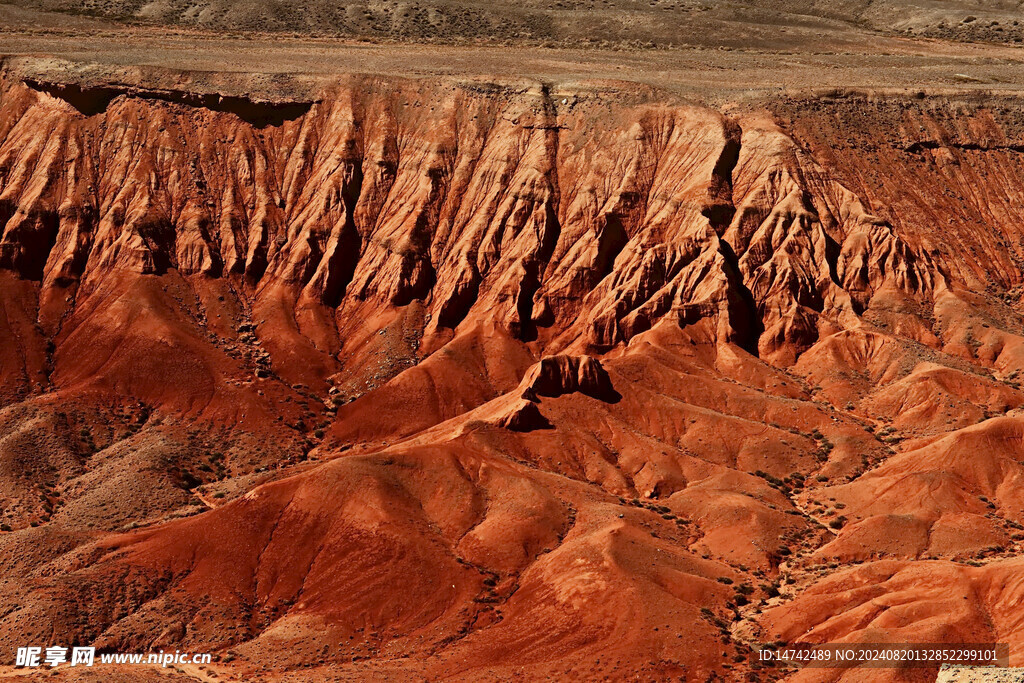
{"type": "Point", "coordinates": [566, 219]}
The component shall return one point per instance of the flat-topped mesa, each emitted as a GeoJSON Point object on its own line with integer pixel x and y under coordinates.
{"type": "Point", "coordinates": [578, 220]}
{"type": "Point", "coordinates": [558, 375]}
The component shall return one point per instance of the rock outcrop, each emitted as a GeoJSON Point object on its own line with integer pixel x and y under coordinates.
{"type": "Point", "coordinates": [558, 375]}
{"type": "Point", "coordinates": [523, 416]}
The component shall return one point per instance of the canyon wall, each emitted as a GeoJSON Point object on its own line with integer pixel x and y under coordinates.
{"type": "Point", "coordinates": [456, 378]}
{"type": "Point", "coordinates": [578, 220]}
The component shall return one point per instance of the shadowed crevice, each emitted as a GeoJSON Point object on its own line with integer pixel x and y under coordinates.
{"type": "Point", "coordinates": [90, 101]}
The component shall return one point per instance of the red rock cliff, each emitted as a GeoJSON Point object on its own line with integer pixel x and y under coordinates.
{"type": "Point", "coordinates": [462, 380]}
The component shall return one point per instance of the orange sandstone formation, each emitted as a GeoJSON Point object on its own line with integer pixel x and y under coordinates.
{"type": "Point", "coordinates": [456, 379]}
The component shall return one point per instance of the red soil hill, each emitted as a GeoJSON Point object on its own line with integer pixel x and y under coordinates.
{"type": "Point", "coordinates": [464, 380]}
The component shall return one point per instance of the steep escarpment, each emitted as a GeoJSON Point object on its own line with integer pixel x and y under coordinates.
{"type": "Point", "coordinates": [573, 220]}
{"type": "Point", "coordinates": [945, 171]}
{"type": "Point", "coordinates": [471, 380]}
